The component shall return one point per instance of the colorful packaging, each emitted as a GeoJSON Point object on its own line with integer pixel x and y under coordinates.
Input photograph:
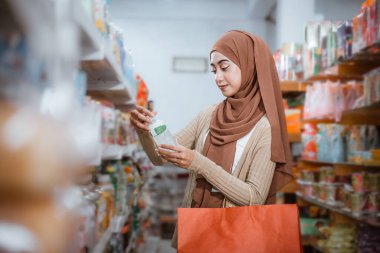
{"type": "Point", "coordinates": [327, 174]}
{"type": "Point", "coordinates": [332, 192]}
{"type": "Point", "coordinates": [359, 181]}
{"type": "Point", "coordinates": [309, 142]}
{"type": "Point", "coordinates": [358, 202]}
{"type": "Point", "coordinates": [373, 182]}
{"type": "Point", "coordinates": [322, 193]}
{"type": "Point", "coordinates": [310, 176]}
{"type": "Point", "coordinates": [344, 37]}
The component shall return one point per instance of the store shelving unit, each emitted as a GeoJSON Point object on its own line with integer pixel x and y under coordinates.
{"type": "Point", "coordinates": [102, 69]}
{"type": "Point", "coordinates": [365, 115]}
{"type": "Point", "coordinates": [346, 70]}
{"type": "Point", "coordinates": [373, 221]}
{"type": "Point", "coordinates": [368, 165]}
{"type": "Point", "coordinates": [117, 94]}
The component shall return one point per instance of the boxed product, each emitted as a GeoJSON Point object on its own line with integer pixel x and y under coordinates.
{"type": "Point", "coordinates": [344, 36]}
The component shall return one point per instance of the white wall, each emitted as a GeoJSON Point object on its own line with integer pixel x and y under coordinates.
{"type": "Point", "coordinates": [156, 32]}
{"type": "Point", "coordinates": [337, 9]}
{"type": "Point", "coordinates": [292, 15]}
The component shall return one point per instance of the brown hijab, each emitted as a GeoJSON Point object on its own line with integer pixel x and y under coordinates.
{"type": "Point", "coordinates": [259, 94]}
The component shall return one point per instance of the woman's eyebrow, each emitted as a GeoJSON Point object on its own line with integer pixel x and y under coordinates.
{"type": "Point", "coordinates": [219, 62]}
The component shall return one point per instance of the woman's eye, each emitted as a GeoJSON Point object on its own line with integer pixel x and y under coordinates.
{"type": "Point", "coordinates": [213, 71]}
{"type": "Point", "coordinates": [225, 68]}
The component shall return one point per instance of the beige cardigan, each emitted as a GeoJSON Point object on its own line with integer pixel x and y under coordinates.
{"type": "Point", "coordinates": [250, 182]}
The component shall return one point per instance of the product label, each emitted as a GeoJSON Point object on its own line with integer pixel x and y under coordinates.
{"type": "Point", "coordinates": [160, 129]}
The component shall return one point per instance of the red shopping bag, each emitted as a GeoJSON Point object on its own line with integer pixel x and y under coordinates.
{"type": "Point", "coordinates": [258, 229]}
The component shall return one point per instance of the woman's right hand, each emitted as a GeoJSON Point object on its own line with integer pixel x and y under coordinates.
{"type": "Point", "coordinates": [141, 118]}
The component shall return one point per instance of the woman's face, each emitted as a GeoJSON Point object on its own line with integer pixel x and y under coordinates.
{"type": "Point", "coordinates": [227, 74]}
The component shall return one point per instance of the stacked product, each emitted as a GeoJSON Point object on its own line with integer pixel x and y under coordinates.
{"type": "Point", "coordinates": [289, 61]}
{"type": "Point", "coordinates": [340, 238]}
{"type": "Point", "coordinates": [361, 197]}
{"type": "Point", "coordinates": [357, 193]}
{"type": "Point", "coordinates": [341, 143]}
{"type": "Point", "coordinates": [111, 197]}
{"type": "Point", "coordinates": [328, 42]}
{"type": "Point", "coordinates": [331, 99]}
{"type": "Point", "coordinates": [321, 43]}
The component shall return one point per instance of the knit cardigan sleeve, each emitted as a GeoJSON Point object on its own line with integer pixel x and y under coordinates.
{"type": "Point", "coordinates": [255, 188]}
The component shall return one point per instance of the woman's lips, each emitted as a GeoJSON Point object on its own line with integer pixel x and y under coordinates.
{"type": "Point", "coordinates": [223, 87]}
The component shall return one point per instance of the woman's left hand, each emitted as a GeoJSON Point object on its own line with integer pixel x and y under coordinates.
{"type": "Point", "coordinates": [177, 155]}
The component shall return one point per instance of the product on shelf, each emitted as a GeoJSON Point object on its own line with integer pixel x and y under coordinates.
{"type": "Point", "coordinates": [340, 238]}
{"type": "Point", "coordinates": [371, 85]}
{"type": "Point", "coordinates": [358, 181]}
{"type": "Point", "coordinates": [289, 62]}
{"type": "Point", "coordinates": [366, 25]}
{"type": "Point", "coordinates": [309, 142]}
{"type": "Point", "coordinates": [100, 8]}
{"type": "Point", "coordinates": [358, 203]}
{"type": "Point", "coordinates": [374, 203]}
{"type": "Point", "coordinates": [338, 143]}
{"type": "Point", "coordinates": [293, 121]}
{"type": "Point", "coordinates": [344, 31]}
{"type": "Point", "coordinates": [331, 99]}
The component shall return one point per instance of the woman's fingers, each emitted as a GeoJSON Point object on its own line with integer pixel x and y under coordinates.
{"type": "Point", "coordinates": [141, 117]}
{"type": "Point", "coordinates": [145, 111]}
{"type": "Point", "coordinates": [170, 147]}
{"type": "Point", "coordinates": [168, 153]}
{"type": "Point", "coordinates": [139, 124]}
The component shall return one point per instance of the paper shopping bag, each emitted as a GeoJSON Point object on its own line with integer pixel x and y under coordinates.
{"type": "Point", "coordinates": [258, 229]}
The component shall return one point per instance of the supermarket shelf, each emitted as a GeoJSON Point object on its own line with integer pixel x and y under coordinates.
{"type": "Point", "coordinates": [367, 115]}
{"type": "Point", "coordinates": [115, 227]}
{"type": "Point", "coordinates": [334, 74]}
{"type": "Point", "coordinates": [102, 69]}
{"type": "Point", "coordinates": [91, 40]}
{"type": "Point", "coordinates": [292, 88]}
{"type": "Point", "coordinates": [347, 164]}
{"type": "Point", "coordinates": [373, 221]}
{"type": "Point", "coordinates": [352, 68]}
{"type": "Point", "coordinates": [118, 94]}
{"type": "Point", "coordinates": [367, 55]}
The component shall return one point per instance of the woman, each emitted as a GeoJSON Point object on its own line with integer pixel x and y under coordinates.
{"type": "Point", "coordinates": [237, 152]}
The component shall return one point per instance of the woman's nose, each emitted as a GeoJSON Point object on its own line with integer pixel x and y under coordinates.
{"type": "Point", "coordinates": [218, 76]}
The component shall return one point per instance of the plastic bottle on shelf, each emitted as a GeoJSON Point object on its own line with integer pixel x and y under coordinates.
{"type": "Point", "coordinates": [161, 133]}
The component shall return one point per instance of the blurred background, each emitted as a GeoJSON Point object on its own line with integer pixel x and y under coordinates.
{"type": "Point", "coordinates": [73, 175]}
